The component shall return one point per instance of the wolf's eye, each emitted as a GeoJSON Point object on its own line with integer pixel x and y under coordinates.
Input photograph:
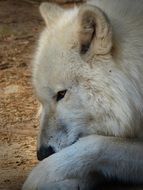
{"type": "Point", "coordinates": [60, 95]}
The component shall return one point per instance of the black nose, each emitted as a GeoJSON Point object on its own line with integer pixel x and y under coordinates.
{"type": "Point", "coordinates": [44, 152]}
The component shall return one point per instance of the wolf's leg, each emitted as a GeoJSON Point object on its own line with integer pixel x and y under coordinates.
{"type": "Point", "coordinates": [71, 184]}
{"type": "Point", "coordinates": [110, 156]}
{"type": "Point", "coordinates": [68, 184]}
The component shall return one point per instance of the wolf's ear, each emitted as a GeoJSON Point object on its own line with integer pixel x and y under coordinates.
{"type": "Point", "coordinates": [95, 33]}
{"type": "Point", "coordinates": [50, 12]}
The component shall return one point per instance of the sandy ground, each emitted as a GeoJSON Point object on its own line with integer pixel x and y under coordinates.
{"type": "Point", "coordinates": [18, 106]}
{"type": "Point", "coordinates": [20, 24]}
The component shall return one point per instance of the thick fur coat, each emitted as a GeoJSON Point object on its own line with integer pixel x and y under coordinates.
{"type": "Point", "coordinates": [88, 76]}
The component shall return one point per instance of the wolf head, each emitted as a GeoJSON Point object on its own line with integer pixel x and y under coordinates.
{"type": "Point", "coordinates": [77, 80]}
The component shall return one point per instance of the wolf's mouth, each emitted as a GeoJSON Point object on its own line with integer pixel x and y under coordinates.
{"type": "Point", "coordinates": [74, 142]}
{"type": "Point", "coordinates": [80, 135]}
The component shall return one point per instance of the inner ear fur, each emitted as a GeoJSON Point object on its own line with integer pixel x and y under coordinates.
{"type": "Point", "coordinates": [50, 12]}
{"type": "Point", "coordinates": [95, 34]}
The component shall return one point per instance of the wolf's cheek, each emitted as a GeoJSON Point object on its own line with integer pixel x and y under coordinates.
{"type": "Point", "coordinates": [74, 118]}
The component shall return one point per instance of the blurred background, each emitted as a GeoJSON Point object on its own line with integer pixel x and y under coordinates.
{"type": "Point", "coordinates": [20, 24]}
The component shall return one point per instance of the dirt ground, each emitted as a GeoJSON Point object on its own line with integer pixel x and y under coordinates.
{"type": "Point", "coordinates": [20, 24]}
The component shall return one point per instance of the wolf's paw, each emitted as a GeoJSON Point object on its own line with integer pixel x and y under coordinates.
{"type": "Point", "coordinates": [69, 184]}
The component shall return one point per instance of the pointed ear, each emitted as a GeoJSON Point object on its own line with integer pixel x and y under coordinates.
{"type": "Point", "coordinates": [50, 12]}
{"type": "Point", "coordinates": [95, 34]}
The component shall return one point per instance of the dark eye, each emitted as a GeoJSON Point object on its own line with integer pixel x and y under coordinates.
{"type": "Point", "coordinates": [60, 95]}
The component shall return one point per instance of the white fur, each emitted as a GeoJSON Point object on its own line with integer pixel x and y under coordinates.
{"type": "Point", "coordinates": [103, 104]}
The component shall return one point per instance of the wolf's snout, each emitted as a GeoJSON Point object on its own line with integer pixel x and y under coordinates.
{"type": "Point", "coordinates": [44, 152]}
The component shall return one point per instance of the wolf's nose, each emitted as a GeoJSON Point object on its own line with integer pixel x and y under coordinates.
{"type": "Point", "coordinates": [44, 152]}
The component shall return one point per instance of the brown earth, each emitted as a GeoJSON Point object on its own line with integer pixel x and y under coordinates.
{"type": "Point", "coordinates": [20, 24]}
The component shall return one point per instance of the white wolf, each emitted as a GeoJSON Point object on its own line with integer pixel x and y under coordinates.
{"type": "Point", "coordinates": [88, 76]}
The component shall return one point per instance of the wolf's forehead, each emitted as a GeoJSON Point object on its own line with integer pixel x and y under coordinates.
{"type": "Point", "coordinates": [54, 70]}
{"type": "Point", "coordinates": [55, 60]}
{"type": "Point", "coordinates": [60, 39]}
